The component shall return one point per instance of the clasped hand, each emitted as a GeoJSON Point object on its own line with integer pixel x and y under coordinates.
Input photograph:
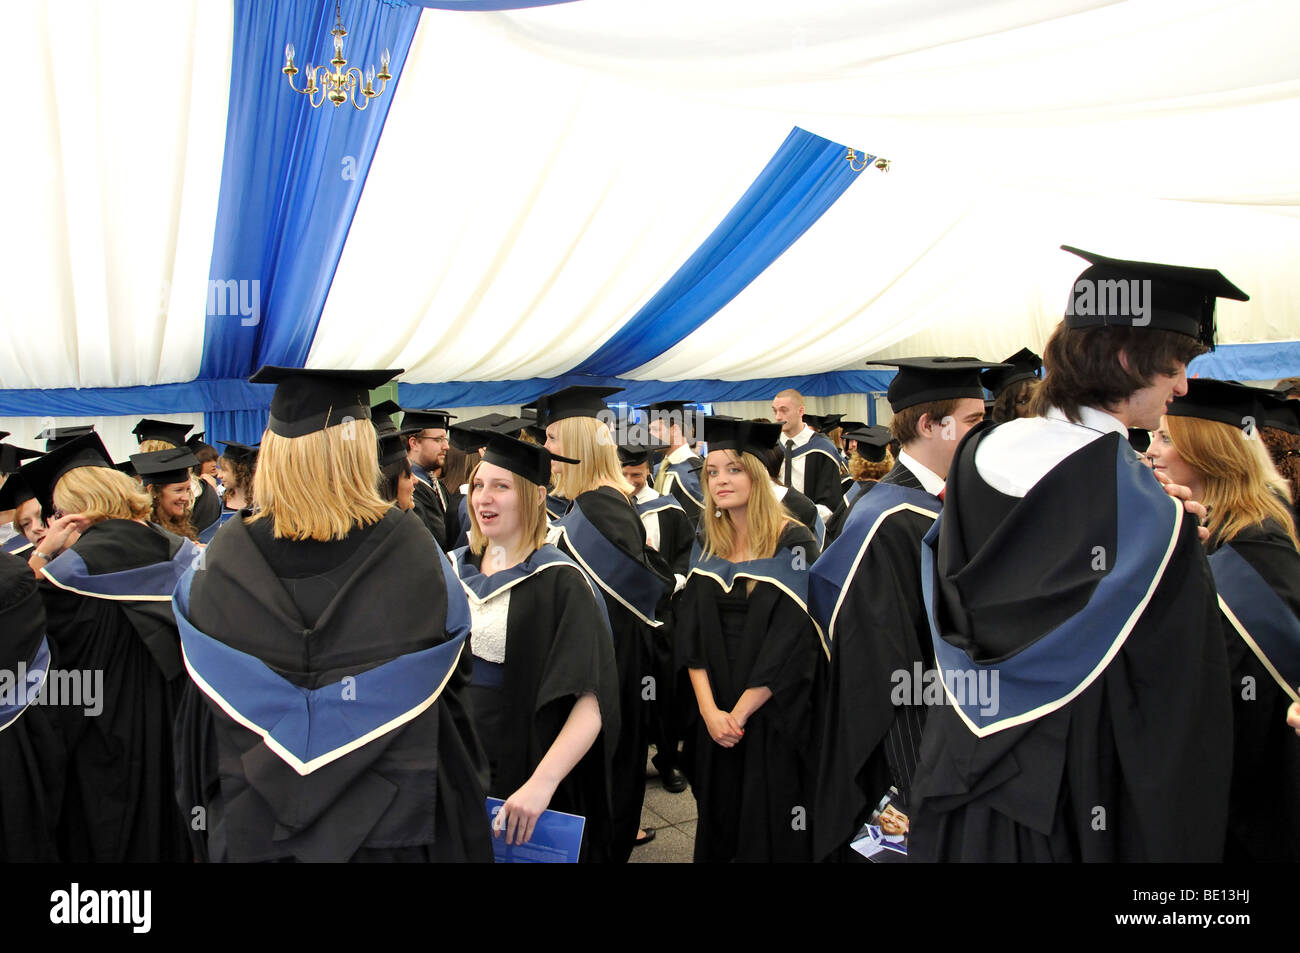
{"type": "Point", "coordinates": [724, 727]}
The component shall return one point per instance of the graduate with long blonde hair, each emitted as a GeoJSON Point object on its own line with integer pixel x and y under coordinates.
{"type": "Point", "coordinates": [1209, 441]}
{"type": "Point", "coordinates": [756, 659]}
{"type": "Point", "coordinates": [603, 534]}
{"type": "Point", "coordinates": [325, 637]}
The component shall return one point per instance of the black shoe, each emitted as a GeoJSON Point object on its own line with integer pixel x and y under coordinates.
{"type": "Point", "coordinates": [673, 780]}
{"type": "Point", "coordinates": [649, 836]}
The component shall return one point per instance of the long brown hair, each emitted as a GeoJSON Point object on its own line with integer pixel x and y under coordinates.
{"type": "Point", "coordinates": [765, 515]}
{"type": "Point", "coordinates": [1242, 488]}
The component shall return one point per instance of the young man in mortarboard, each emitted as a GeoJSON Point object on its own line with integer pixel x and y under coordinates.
{"type": "Point", "coordinates": [426, 442]}
{"type": "Point", "coordinates": [812, 461]}
{"type": "Point", "coordinates": [866, 594]}
{"type": "Point", "coordinates": [678, 472]}
{"type": "Point", "coordinates": [1076, 623]}
{"type": "Point", "coordinates": [671, 533]}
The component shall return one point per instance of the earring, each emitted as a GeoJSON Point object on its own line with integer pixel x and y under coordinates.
{"type": "Point", "coordinates": [717, 514]}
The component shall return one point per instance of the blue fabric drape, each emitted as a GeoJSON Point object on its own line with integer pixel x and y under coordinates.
{"type": "Point", "coordinates": [187, 398]}
{"type": "Point", "coordinates": [479, 394]}
{"type": "Point", "coordinates": [1248, 362]}
{"type": "Point", "coordinates": [239, 426]}
{"type": "Point", "coordinates": [800, 182]}
{"type": "Point", "coordinates": [480, 4]}
{"type": "Point", "coordinates": [291, 177]}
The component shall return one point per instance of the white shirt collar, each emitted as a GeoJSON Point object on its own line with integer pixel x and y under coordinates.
{"type": "Point", "coordinates": [802, 437]}
{"type": "Point", "coordinates": [646, 492]}
{"type": "Point", "coordinates": [1092, 418]}
{"type": "Point", "coordinates": [681, 454]}
{"type": "Point", "coordinates": [931, 482]}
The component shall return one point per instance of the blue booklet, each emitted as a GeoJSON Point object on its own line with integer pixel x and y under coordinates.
{"type": "Point", "coordinates": [556, 839]}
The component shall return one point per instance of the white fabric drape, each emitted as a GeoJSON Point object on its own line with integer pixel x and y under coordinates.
{"type": "Point", "coordinates": [571, 157]}
{"type": "Point", "coordinates": [114, 431]}
{"type": "Point", "coordinates": [113, 165]}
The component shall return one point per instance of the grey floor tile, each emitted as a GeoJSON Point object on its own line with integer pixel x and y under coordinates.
{"type": "Point", "coordinates": [674, 808]}
{"type": "Point", "coordinates": [670, 846]}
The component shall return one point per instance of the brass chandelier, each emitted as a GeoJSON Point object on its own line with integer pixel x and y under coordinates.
{"type": "Point", "coordinates": [338, 86]}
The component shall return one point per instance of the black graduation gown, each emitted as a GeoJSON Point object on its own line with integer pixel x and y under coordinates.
{"type": "Point", "coordinates": [32, 754]}
{"type": "Point", "coordinates": [429, 507]}
{"type": "Point", "coordinates": [1264, 820]}
{"type": "Point", "coordinates": [853, 491]}
{"type": "Point", "coordinates": [756, 799]}
{"type": "Point", "coordinates": [558, 647]}
{"type": "Point", "coordinates": [312, 616]}
{"type": "Point", "coordinates": [1129, 757]}
{"type": "Point", "coordinates": [118, 803]}
{"type": "Point", "coordinates": [207, 507]}
{"type": "Point", "coordinates": [802, 509]}
{"type": "Point", "coordinates": [688, 493]}
{"type": "Point", "coordinates": [610, 512]}
{"type": "Point", "coordinates": [871, 743]}
{"type": "Point", "coordinates": [821, 480]}
{"type": "Point", "coordinates": [673, 701]}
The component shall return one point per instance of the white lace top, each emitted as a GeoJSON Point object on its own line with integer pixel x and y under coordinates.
{"type": "Point", "coordinates": [488, 634]}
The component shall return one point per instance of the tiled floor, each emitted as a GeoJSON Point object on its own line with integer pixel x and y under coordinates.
{"type": "Point", "coordinates": [673, 817]}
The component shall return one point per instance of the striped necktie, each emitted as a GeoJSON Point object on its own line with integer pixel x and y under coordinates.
{"type": "Point", "coordinates": [661, 476]}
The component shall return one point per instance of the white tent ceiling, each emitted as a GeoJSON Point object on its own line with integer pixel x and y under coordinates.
{"type": "Point", "coordinates": [544, 171]}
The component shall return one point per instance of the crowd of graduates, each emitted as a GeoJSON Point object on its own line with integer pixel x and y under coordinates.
{"type": "Point", "coordinates": [1054, 589]}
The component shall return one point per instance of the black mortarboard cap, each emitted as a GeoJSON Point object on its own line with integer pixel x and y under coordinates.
{"type": "Point", "coordinates": [391, 448]}
{"type": "Point", "coordinates": [743, 436]}
{"type": "Point", "coordinates": [467, 439]}
{"type": "Point", "coordinates": [127, 467]}
{"type": "Point", "coordinates": [56, 437]}
{"type": "Point", "coordinates": [528, 460]}
{"type": "Point", "coordinates": [11, 457]}
{"type": "Point", "coordinates": [426, 419]}
{"type": "Point", "coordinates": [306, 401]}
{"type": "Point", "coordinates": [921, 380]}
{"type": "Point", "coordinates": [580, 400]}
{"type": "Point", "coordinates": [14, 492]}
{"type": "Point", "coordinates": [381, 415]}
{"type": "Point", "coordinates": [1025, 365]}
{"type": "Point", "coordinates": [165, 430]}
{"type": "Point", "coordinates": [1226, 402]}
{"type": "Point", "coordinates": [43, 473]}
{"type": "Point", "coordinates": [871, 442]}
{"type": "Point", "coordinates": [823, 423]}
{"type": "Point", "coordinates": [1139, 439]}
{"type": "Point", "coordinates": [1282, 414]}
{"type": "Point", "coordinates": [240, 453]}
{"type": "Point", "coordinates": [1181, 299]}
{"type": "Point", "coordinates": [635, 454]}
{"type": "Point", "coordinates": [164, 467]}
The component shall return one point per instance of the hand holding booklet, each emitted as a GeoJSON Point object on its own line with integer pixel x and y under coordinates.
{"type": "Point", "coordinates": [557, 839]}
